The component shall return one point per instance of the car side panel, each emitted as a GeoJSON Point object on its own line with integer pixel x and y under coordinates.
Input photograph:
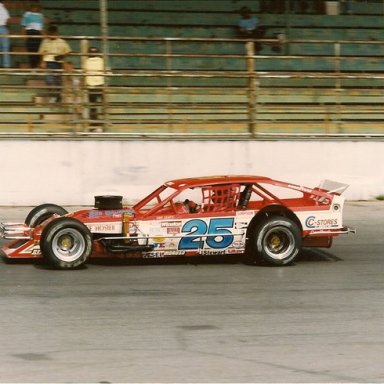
{"type": "Point", "coordinates": [196, 234]}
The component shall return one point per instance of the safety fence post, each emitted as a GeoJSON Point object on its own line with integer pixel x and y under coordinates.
{"type": "Point", "coordinates": [252, 88]}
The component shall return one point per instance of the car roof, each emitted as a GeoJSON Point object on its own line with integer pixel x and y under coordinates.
{"type": "Point", "coordinates": [192, 182]}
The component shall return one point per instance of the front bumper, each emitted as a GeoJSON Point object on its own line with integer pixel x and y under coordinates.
{"type": "Point", "coordinates": [15, 231]}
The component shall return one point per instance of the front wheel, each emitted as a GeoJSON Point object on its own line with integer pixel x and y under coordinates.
{"type": "Point", "coordinates": [66, 243]}
{"type": "Point", "coordinates": [43, 212]}
{"type": "Point", "coordinates": [276, 241]}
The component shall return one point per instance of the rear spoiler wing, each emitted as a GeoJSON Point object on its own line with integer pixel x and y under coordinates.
{"type": "Point", "coordinates": [332, 187]}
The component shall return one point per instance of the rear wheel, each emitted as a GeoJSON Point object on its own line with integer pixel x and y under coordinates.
{"type": "Point", "coordinates": [66, 243]}
{"type": "Point", "coordinates": [276, 240]}
{"type": "Point", "coordinates": [42, 213]}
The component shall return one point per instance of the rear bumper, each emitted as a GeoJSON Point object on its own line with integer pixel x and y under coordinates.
{"type": "Point", "coordinates": [348, 230]}
{"type": "Point", "coordinates": [324, 238]}
{"type": "Point", "coordinates": [332, 232]}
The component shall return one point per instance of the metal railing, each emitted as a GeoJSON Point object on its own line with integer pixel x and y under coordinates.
{"type": "Point", "coordinates": [200, 94]}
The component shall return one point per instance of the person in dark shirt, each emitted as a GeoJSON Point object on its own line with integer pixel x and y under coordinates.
{"type": "Point", "coordinates": [33, 25]}
{"type": "Point", "coordinates": [249, 27]}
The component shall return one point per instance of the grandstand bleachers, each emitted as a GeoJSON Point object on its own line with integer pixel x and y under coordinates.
{"type": "Point", "coordinates": [179, 67]}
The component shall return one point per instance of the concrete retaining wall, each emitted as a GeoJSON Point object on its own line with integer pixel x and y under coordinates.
{"type": "Point", "coordinates": [72, 172]}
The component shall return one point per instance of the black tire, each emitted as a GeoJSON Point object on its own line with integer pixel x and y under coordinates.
{"type": "Point", "coordinates": [43, 212]}
{"type": "Point", "coordinates": [66, 243]}
{"type": "Point", "coordinates": [276, 240]}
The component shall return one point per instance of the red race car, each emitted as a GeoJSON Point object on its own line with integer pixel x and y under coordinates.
{"type": "Point", "coordinates": [268, 221]}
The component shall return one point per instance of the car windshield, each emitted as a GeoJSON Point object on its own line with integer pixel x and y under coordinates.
{"type": "Point", "coordinates": [155, 198]}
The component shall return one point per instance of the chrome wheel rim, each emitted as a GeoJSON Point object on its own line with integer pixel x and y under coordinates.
{"type": "Point", "coordinates": [68, 245]}
{"type": "Point", "coordinates": [279, 243]}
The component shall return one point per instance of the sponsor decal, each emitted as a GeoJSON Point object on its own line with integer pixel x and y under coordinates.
{"type": "Point", "coordinates": [246, 213]}
{"type": "Point", "coordinates": [36, 252]}
{"type": "Point", "coordinates": [210, 252]}
{"type": "Point", "coordinates": [241, 225]}
{"type": "Point", "coordinates": [171, 245]}
{"type": "Point", "coordinates": [172, 227]}
{"type": "Point", "coordinates": [174, 253]}
{"type": "Point", "coordinates": [314, 222]}
{"type": "Point", "coordinates": [173, 230]}
{"type": "Point", "coordinates": [33, 250]}
{"type": "Point", "coordinates": [232, 251]}
{"type": "Point", "coordinates": [114, 213]}
{"type": "Point", "coordinates": [238, 244]}
{"type": "Point", "coordinates": [159, 254]}
{"type": "Point", "coordinates": [104, 227]}
{"type": "Point", "coordinates": [300, 188]}
{"type": "Point", "coordinates": [167, 224]}
{"type": "Point", "coordinates": [93, 214]}
{"type": "Point", "coordinates": [158, 239]}
{"type": "Point", "coordinates": [153, 255]}
{"type": "Point", "coordinates": [132, 228]}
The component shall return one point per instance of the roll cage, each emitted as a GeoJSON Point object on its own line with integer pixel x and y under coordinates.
{"type": "Point", "coordinates": [228, 194]}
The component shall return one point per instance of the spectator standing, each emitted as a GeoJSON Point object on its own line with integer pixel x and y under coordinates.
{"type": "Point", "coordinates": [346, 6]}
{"type": "Point", "coordinates": [249, 27]}
{"type": "Point", "coordinates": [4, 39]}
{"type": "Point", "coordinates": [94, 80]}
{"type": "Point", "coordinates": [53, 50]}
{"type": "Point", "coordinates": [33, 25]}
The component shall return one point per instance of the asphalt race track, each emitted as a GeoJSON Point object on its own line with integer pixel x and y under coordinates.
{"type": "Point", "coordinates": [320, 320]}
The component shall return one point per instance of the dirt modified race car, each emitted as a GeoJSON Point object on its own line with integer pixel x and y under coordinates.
{"type": "Point", "coordinates": [266, 220]}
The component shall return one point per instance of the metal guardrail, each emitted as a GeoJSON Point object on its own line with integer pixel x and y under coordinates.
{"type": "Point", "coordinates": [187, 101]}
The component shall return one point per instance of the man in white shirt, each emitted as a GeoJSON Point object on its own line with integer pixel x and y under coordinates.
{"type": "Point", "coordinates": [94, 80]}
{"type": "Point", "coordinates": [4, 39]}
